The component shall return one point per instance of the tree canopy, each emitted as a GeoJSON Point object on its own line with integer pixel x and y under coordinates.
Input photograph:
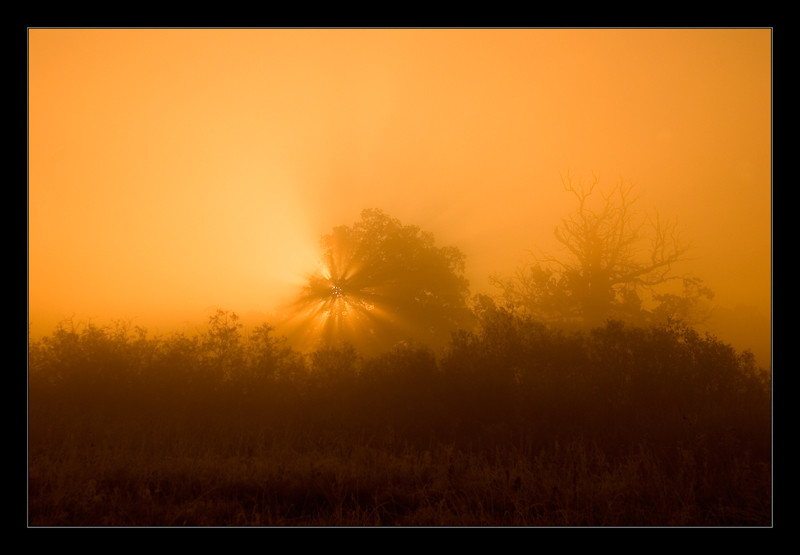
{"type": "Point", "coordinates": [616, 258]}
{"type": "Point", "coordinates": [382, 283]}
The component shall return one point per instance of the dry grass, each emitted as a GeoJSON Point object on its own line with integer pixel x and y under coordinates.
{"type": "Point", "coordinates": [95, 471]}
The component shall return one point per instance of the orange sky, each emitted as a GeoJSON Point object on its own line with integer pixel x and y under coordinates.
{"type": "Point", "coordinates": [175, 170]}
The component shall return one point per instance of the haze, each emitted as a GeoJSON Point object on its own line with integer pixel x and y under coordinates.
{"type": "Point", "coordinates": [175, 171]}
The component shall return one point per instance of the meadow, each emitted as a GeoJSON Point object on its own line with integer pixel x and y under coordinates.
{"type": "Point", "coordinates": [514, 424]}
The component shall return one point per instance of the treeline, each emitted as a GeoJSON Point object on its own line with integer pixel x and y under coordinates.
{"type": "Point", "coordinates": [511, 378]}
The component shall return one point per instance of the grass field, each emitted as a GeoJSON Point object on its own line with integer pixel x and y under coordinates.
{"type": "Point", "coordinates": [403, 440]}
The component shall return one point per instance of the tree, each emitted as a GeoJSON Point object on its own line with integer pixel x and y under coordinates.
{"type": "Point", "coordinates": [616, 259]}
{"type": "Point", "coordinates": [382, 283]}
{"type": "Point", "coordinates": [222, 343]}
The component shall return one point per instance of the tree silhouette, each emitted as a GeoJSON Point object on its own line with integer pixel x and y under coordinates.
{"type": "Point", "coordinates": [382, 283]}
{"type": "Point", "coordinates": [616, 258]}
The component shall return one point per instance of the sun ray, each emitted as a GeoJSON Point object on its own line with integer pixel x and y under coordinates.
{"type": "Point", "coordinates": [380, 284]}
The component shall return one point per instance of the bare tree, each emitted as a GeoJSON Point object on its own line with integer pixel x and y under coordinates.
{"type": "Point", "coordinates": [615, 255]}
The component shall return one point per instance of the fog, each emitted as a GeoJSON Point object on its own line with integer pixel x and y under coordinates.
{"type": "Point", "coordinates": [173, 172]}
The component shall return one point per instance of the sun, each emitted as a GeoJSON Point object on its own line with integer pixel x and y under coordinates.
{"type": "Point", "coordinates": [339, 303]}
{"type": "Point", "coordinates": [379, 285]}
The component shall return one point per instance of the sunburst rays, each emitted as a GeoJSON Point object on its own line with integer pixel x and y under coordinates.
{"type": "Point", "coordinates": [342, 302]}
{"type": "Point", "coordinates": [378, 284]}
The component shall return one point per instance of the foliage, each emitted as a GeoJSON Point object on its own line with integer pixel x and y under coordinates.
{"type": "Point", "coordinates": [334, 367]}
{"type": "Point", "coordinates": [271, 358]}
{"type": "Point", "coordinates": [383, 283]}
{"type": "Point", "coordinates": [615, 257]}
{"type": "Point", "coordinates": [618, 377]}
{"type": "Point", "coordinates": [513, 370]}
{"type": "Point", "coordinates": [221, 344]}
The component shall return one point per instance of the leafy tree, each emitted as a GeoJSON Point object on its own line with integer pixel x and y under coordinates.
{"type": "Point", "coordinates": [334, 367]}
{"type": "Point", "coordinates": [270, 359]}
{"type": "Point", "coordinates": [222, 343]}
{"type": "Point", "coordinates": [616, 259]}
{"type": "Point", "coordinates": [382, 283]}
